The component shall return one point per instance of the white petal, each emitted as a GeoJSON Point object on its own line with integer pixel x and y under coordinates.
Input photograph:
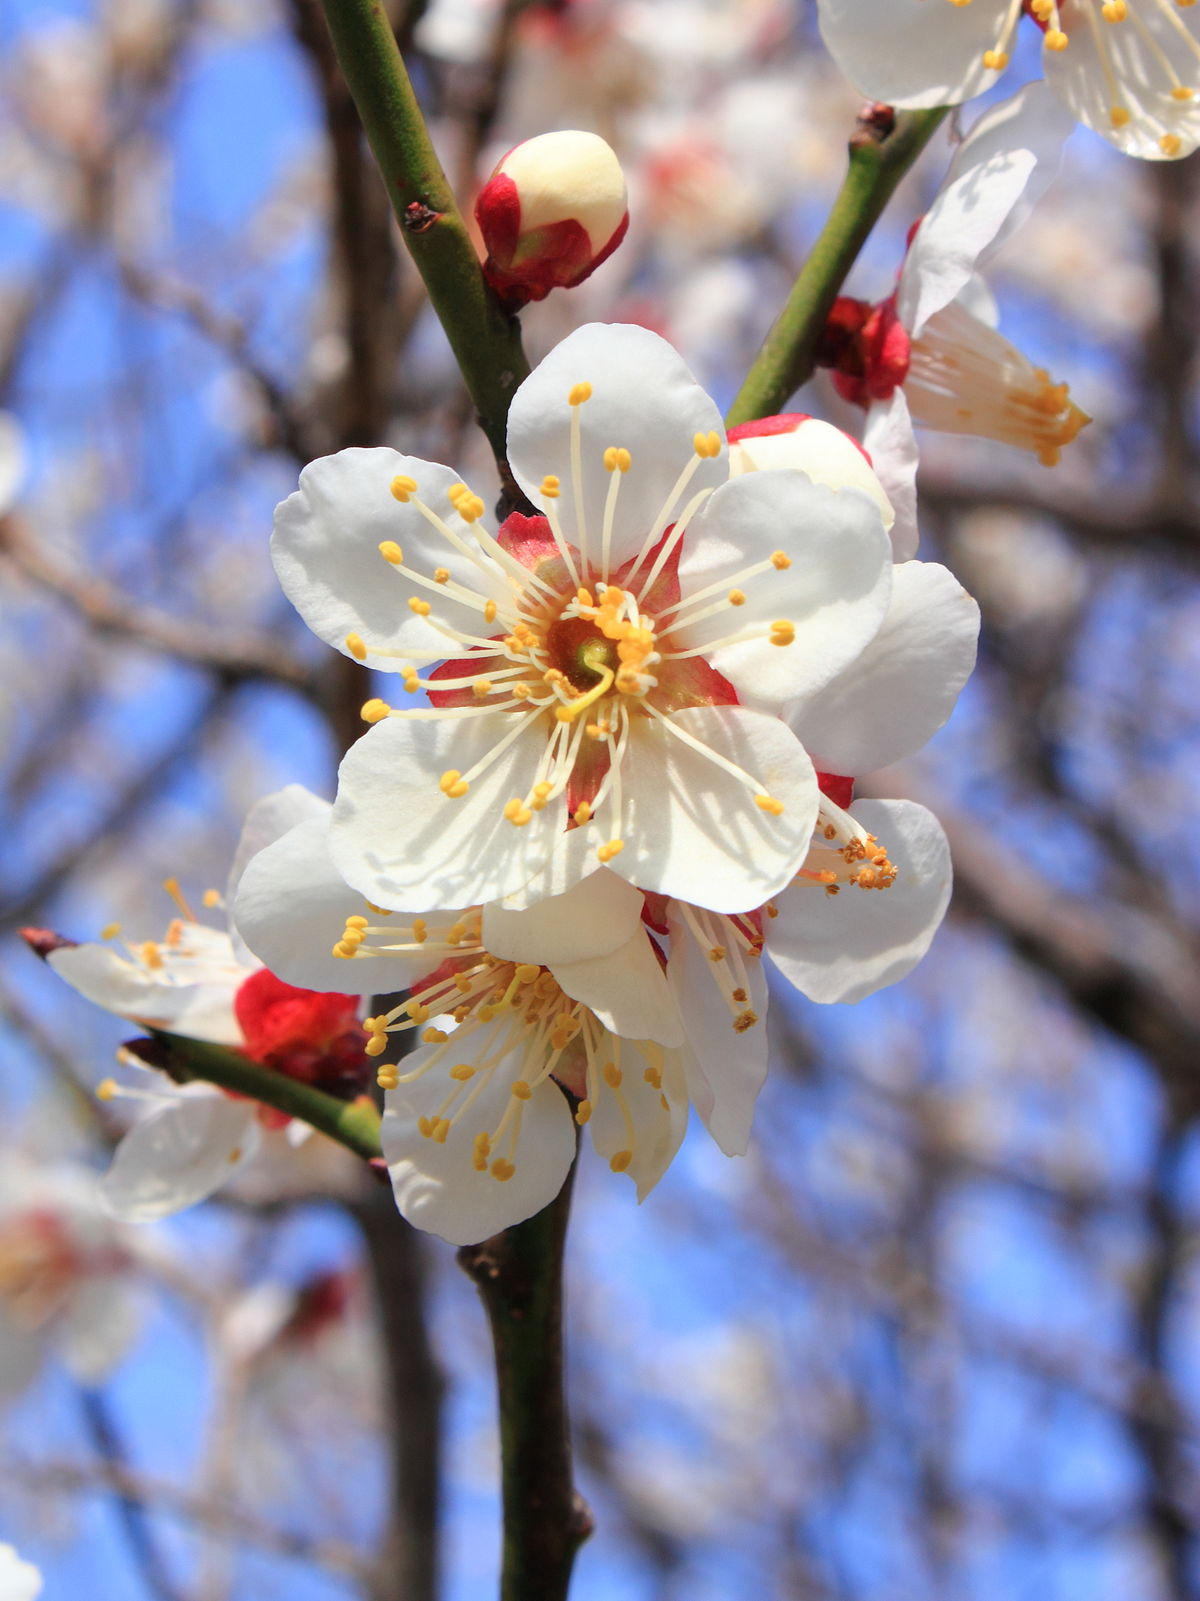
{"type": "Point", "coordinates": [904, 686]}
{"type": "Point", "coordinates": [203, 1010]}
{"type": "Point", "coordinates": [990, 176]}
{"type": "Point", "coordinates": [834, 592]}
{"type": "Point", "coordinates": [912, 52]}
{"type": "Point", "coordinates": [817, 448]}
{"type": "Point", "coordinates": [593, 919]}
{"type": "Point", "coordinates": [1079, 77]}
{"type": "Point", "coordinates": [437, 1186]}
{"type": "Point", "coordinates": [19, 1580]}
{"type": "Point", "coordinates": [643, 399]}
{"type": "Point", "coordinates": [627, 989]}
{"type": "Point", "coordinates": [643, 1124]}
{"type": "Point", "coordinates": [292, 905]}
{"type": "Point", "coordinates": [842, 947]}
{"type": "Point", "coordinates": [726, 1069]}
{"type": "Point", "coordinates": [180, 1153]}
{"type": "Point", "coordinates": [693, 830]}
{"type": "Point", "coordinates": [267, 820]}
{"type": "Point", "coordinates": [326, 553]}
{"type": "Point", "coordinates": [890, 442]}
{"type": "Point", "coordinates": [403, 843]}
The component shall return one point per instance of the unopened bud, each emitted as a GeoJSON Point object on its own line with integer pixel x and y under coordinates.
{"type": "Point", "coordinates": [551, 212]}
{"type": "Point", "coordinates": [818, 449]}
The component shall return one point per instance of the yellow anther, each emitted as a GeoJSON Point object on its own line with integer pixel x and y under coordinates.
{"type": "Point", "coordinates": [517, 812]}
{"type": "Point", "coordinates": [151, 955]}
{"type": "Point", "coordinates": [740, 996]}
{"type": "Point", "coordinates": [527, 972]}
{"type": "Point", "coordinates": [772, 909]}
{"type": "Point", "coordinates": [1182, 92]}
{"type": "Point", "coordinates": [613, 848]}
{"type": "Point", "coordinates": [781, 561]}
{"type": "Point", "coordinates": [620, 1161]}
{"type": "Point", "coordinates": [376, 1045]}
{"type": "Point", "coordinates": [995, 60]}
{"type": "Point", "coordinates": [441, 1128]}
{"type": "Point", "coordinates": [502, 1170]}
{"type": "Point", "coordinates": [1117, 115]}
{"type": "Point", "coordinates": [579, 394]}
{"type": "Point", "coordinates": [616, 459]}
{"type": "Point", "coordinates": [521, 1090]}
{"type": "Point", "coordinates": [421, 607]}
{"type": "Point", "coordinates": [403, 487]}
{"type": "Point", "coordinates": [352, 938]}
{"type": "Point", "coordinates": [375, 710]}
{"type": "Point", "coordinates": [417, 1010]}
{"type": "Point", "coordinates": [211, 897]}
{"type": "Point", "coordinates": [717, 953]}
{"type": "Point", "coordinates": [768, 803]}
{"type": "Point", "coordinates": [1114, 10]}
{"type": "Point", "coordinates": [433, 1036]}
{"type": "Point", "coordinates": [354, 644]}
{"type": "Point", "coordinates": [583, 1112]}
{"type": "Point", "coordinates": [737, 597]}
{"type": "Point", "coordinates": [106, 1089]}
{"type": "Point", "coordinates": [783, 632]}
{"type": "Point", "coordinates": [707, 445]}
{"type": "Point", "coordinates": [489, 611]}
{"type": "Point", "coordinates": [1055, 39]}
{"type": "Point", "coordinates": [653, 1077]}
{"type": "Point", "coordinates": [234, 1156]}
{"type": "Point", "coordinates": [550, 489]}
{"type": "Point", "coordinates": [462, 1072]}
{"type": "Point", "coordinates": [426, 1126]}
{"type": "Point", "coordinates": [453, 784]}
{"type": "Point", "coordinates": [388, 1076]}
{"type": "Point", "coordinates": [582, 813]}
{"type": "Point", "coordinates": [357, 920]}
{"type": "Point", "coordinates": [744, 1020]}
{"type": "Point", "coordinates": [380, 911]}
{"type": "Point", "coordinates": [482, 688]}
{"type": "Point", "coordinates": [110, 931]}
{"type": "Point", "coordinates": [441, 575]}
{"type": "Point", "coordinates": [390, 551]}
{"type": "Point", "coordinates": [1170, 144]}
{"type": "Point", "coordinates": [612, 1075]}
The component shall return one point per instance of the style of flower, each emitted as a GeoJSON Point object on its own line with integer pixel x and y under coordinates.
{"type": "Point", "coordinates": [1126, 68]}
{"type": "Point", "coordinates": [617, 663]}
{"type": "Point", "coordinates": [930, 352]}
{"type": "Point", "coordinates": [202, 982]}
{"type": "Point", "coordinates": [67, 1275]}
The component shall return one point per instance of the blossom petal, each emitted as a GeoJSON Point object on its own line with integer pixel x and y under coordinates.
{"type": "Point", "coordinates": [1132, 55]}
{"type": "Point", "coordinates": [267, 820]}
{"type": "Point", "coordinates": [401, 842]}
{"type": "Point", "coordinates": [647, 1117]}
{"type": "Point", "coordinates": [326, 553]}
{"type": "Point", "coordinates": [840, 948]}
{"type": "Point", "coordinates": [826, 454]}
{"type": "Point", "coordinates": [990, 176]}
{"type": "Point", "coordinates": [593, 919]}
{"type": "Point", "coordinates": [202, 1011]}
{"type": "Point", "coordinates": [834, 590]}
{"type": "Point", "coordinates": [692, 829]}
{"type": "Point", "coordinates": [892, 446]}
{"type": "Point", "coordinates": [910, 52]}
{"type": "Point", "coordinates": [627, 990]}
{"type": "Point", "coordinates": [644, 399]}
{"type": "Point", "coordinates": [726, 1067]}
{"type": "Point", "coordinates": [903, 687]}
{"type": "Point", "coordinates": [180, 1153]}
{"type": "Point", "coordinates": [437, 1186]}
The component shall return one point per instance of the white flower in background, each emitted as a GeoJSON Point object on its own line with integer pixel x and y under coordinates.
{"type": "Point", "coordinates": [617, 664]}
{"type": "Point", "coordinates": [67, 1275]}
{"type": "Point", "coordinates": [930, 353]}
{"type": "Point", "coordinates": [201, 982]}
{"type": "Point", "coordinates": [19, 1580]}
{"type": "Point", "coordinates": [1128, 69]}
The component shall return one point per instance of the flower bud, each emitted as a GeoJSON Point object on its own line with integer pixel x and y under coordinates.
{"type": "Point", "coordinates": [551, 212]}
{"type": "Point", "coordinates": [818, 449]}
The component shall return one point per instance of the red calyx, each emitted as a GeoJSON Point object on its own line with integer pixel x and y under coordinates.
{"type": "Point", "coordinates": [867, 347]}
{"type": "Point", "coordinates": [784, 422]}
{"type": "Point", "coordinates": [308, 1035]}
{"type": "Point", "coordinates": [522, 267]}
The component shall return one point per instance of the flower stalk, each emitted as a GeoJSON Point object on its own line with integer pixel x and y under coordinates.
{"type": "Point", "coordinates": [519, 1275]}
{"type": "Point", "coordinates": [881, 151]}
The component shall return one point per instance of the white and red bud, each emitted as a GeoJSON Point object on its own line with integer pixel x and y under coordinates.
{"type": "Point", "coordinates": [823, 452]}
{"type": "Point", "coordinates": [554, 208]}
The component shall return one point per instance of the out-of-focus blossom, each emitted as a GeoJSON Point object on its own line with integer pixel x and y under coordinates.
{"type": "Point", "coordinates": [553, 209]}
{"type": "Point", "coordinates": [67, 1275]}
{"type": "Point", "coordinates": [19, 1580]}
{"type": "Point", "coordinates": [1125, 68]}
{"type": "Point", "coordinates": [12, 460]}
{"type": "Point", "coordinates": [618, 662]}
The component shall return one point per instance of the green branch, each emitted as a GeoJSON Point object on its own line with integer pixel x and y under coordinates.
{"type": "Point", "coordinates": [485, 340]}
{"type": "Point", "coordinates": [354, 1124]}
{"type": "Point", "coordinates": [878, 161]}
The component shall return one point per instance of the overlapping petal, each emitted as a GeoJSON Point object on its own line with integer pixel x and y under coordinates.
{"type": "Point", "coordinates": [178, 1154]}
{"type": "Point", "coordinates": [650, 1118]}
{"type": "Point", "coordinates": [627, 990]}
{"type": "Point", "coordinates": [912, 53]}
{"type": "Point", "coordinates": [201, 1006]}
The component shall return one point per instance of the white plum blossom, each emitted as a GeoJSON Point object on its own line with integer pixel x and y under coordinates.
{"type": "Point", "coordinates": [930, 352]}
{"type": "Point", "coordinates": [1128, 69]}
{"type": "Point", "coordinates": [613, 669]}
{"type": "Point", "coordinates": [19, 1580]}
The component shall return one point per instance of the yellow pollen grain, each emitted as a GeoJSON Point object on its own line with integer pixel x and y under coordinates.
{"type": "Point", "coordinates": [374, 711]}
{"type": "Point", "coordinates": [613, 848]}
{"type": "Point", "coordinates": [502, 1170]}
{"type": "Point", "coordinates": [462, 1072]}
{"type": "Point", "coordinates": [1114, 10]}
{"type": "Point", "coordinates": [380, 911]}
{"type": "Point", "coordinates": [441, 575]}
{"type": "Point", "coordinates": [527, 972]}
{"type": "Point", "coordinates": [357, 920]}
{"type": "Point", "coordinates": [549, 488]}
{"type": "Point", "coordinates": [354, 644]}
{"type": "Point", "coordinates": [717, 953]}
{"type": "Point", "coordinates": [783, 632]}
{"type": "Point", "coordinates": [1055, 39]}
{"type": "Point", "coordinates": [1182, 92]}
{"type": "Point", "coordinates": [110, 931]}
{"type": "Point", "coordinates": [521, 1091]}
{"type": "Point", "coordinates": [780, 561]}
{"type": "Point", "coordinates": [707, 446]}
{"type": "Point", "coordinates": [583, 1112]}
{"type": "Point", "coordinates": [151, 955]}
{"type": "Point", "coordinates": [489, 611]}
{"type": "Point", "coordinates": [517, 812]}
{"type": "Point", "coordinates": [743, 1021]}
{"type": "Point", "coordinates": [376, 1045]}
{"type": "Point", "coordinates": [579, 394]}
{"type": "Point", "coordinates": [411, 679]}
{"type": "Point", "coordinates": [582, 813]}
{"type": "Point", "coordinates": [768, 803]}
{"type": "Point", "coordinates": [403, 486]}
{"type": "Point", "coordinates": [620, 1161]}
{"type": "Point", "coordinates": [388, 1076]}
{"type": "Point", "coordinates": [421, 607]}
{"type": "Point", "coordinates": [1118, 116]}
{"type": "Point", "coordinates": [995, 60]}
{"type": "Point", "coordinates": [106, 1089]}
{"type": "Point", "coordinates": [616, 459]}
{"type": "Point", "coordinates": [612, 1075]}
{"type": "Point", "coordinates": [653, 1077]}
{"type": "Point", "coordinates": [211, 897]}
{"type": "Point", "coordinates": [1170, 144]}
{"type": "Point", "coordinates": [390, 551]}
{"type": "Point", "coordinates": [737, 597]}
{"type": "Point", "coordinates": [433, 1036]}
